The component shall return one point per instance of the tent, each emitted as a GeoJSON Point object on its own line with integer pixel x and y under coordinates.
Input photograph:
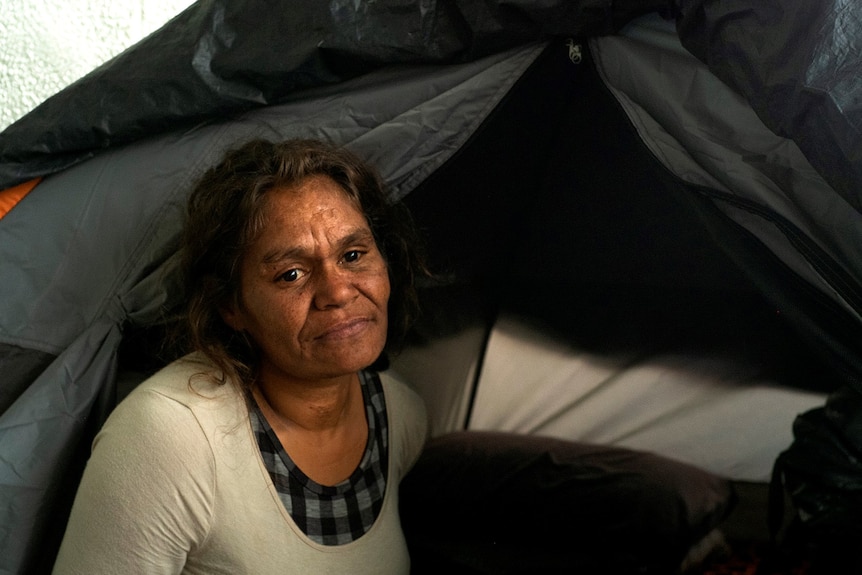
{"type": "Point", "coordinates": [690, 168]}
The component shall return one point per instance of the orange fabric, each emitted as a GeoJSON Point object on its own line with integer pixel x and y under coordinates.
{"type": "Point", "coordinates": [11, 196]}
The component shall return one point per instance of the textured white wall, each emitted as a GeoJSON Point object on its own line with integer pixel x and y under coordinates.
{"type": "Point", "coordinates": [46, 45]}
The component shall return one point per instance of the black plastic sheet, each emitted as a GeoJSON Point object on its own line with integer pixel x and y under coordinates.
{"type": "Point", "coordinates": [822, 472]}
{"type": "Point", "coordinates": [222, 57]}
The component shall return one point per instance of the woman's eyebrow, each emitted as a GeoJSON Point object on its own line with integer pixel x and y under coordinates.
{"type": "Point", "coordinates": [278, 255]}
{"type": "Point", "coordinates": [356, 236]}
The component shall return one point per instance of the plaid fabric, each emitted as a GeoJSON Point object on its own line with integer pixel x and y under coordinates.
{"type": "Point", "coordinates": [339, 514]}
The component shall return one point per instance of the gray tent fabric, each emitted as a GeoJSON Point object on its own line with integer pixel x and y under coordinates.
{"type": "Point", "coordinates": [88, 253]}
{"type": "Point", "coordinates": [35, 459]}
{"type": "Point", "coordinates": [768, 170]}
{"type": "Point", "coordinates": [797, 63]}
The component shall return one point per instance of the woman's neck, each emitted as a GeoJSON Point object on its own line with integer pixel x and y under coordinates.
{"type": "Point", "coordinates": [322, 427]}
{"type": "Point", "coordinates": [317, 406]}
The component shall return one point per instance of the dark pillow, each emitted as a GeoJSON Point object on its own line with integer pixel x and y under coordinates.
{"type": "Point", "coordinates": [487, 502]}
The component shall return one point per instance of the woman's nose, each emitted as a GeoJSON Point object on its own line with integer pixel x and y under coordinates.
{"type": "Point", "coordinates": [333, 287]}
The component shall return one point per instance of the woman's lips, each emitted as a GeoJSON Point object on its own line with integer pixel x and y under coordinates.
{"type": "Point", "coordinates": [345, 329]}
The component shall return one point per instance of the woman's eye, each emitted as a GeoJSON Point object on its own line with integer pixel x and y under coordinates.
{"type": "Point", "coordinates": [290, 275]}
{"type": "Point", "coordinates": [352, 256]}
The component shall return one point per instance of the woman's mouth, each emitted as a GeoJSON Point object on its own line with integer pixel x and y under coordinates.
{"type": "Point", "coordinates": [344, 330]}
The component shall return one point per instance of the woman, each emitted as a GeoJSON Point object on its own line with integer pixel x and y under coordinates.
{"type": "Point", "coordinates": [272, 448]}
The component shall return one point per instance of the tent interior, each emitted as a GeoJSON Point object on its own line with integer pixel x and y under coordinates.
{"type": "Point", "coordinates": [600, 277]}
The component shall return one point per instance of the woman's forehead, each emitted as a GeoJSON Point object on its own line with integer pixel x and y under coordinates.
{"type": "Point", "coordinates": [312, 196]}
{"type": "Point", "coordinates": [315, 208]}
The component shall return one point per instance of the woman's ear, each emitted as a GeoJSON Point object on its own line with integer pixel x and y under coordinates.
{"type": "Point", "coordinates": [231, 315]}
{"type": "Point", "coordinates": [229, 307]}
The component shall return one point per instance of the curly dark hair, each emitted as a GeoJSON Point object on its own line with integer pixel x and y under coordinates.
{"type": "Point", "coordinates": [225, 216]}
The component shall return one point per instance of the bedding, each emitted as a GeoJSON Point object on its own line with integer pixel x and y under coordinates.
{"type": "Point", "coordinates": [491, 502]}
{"type": "Point", "coordinates": [718, 411]}
{"type": "Point", "coordinates": [723, 409]}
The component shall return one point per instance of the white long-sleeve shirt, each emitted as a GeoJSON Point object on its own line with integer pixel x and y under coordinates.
{"type": "Point", "coordinates": [176, 484]}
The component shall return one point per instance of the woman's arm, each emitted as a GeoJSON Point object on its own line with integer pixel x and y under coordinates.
{"type": "Point", "coordinates": [145, 500]}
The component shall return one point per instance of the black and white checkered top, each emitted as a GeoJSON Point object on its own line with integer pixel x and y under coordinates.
{"type": "Point", "coordinates": [339, 514]}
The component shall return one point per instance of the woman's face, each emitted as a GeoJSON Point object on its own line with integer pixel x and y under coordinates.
{"type": "Point", "coordinates": [314, 287]}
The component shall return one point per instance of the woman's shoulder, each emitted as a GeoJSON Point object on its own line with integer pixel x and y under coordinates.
{"type": "Point", "coordinates": [399, 395]}
{"type": "Point", "coordinates": [407, 418]}
{"type": "Point", "coordinates": [191, 379]}
{"type": "Point", "coordinates": [185, 393]}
